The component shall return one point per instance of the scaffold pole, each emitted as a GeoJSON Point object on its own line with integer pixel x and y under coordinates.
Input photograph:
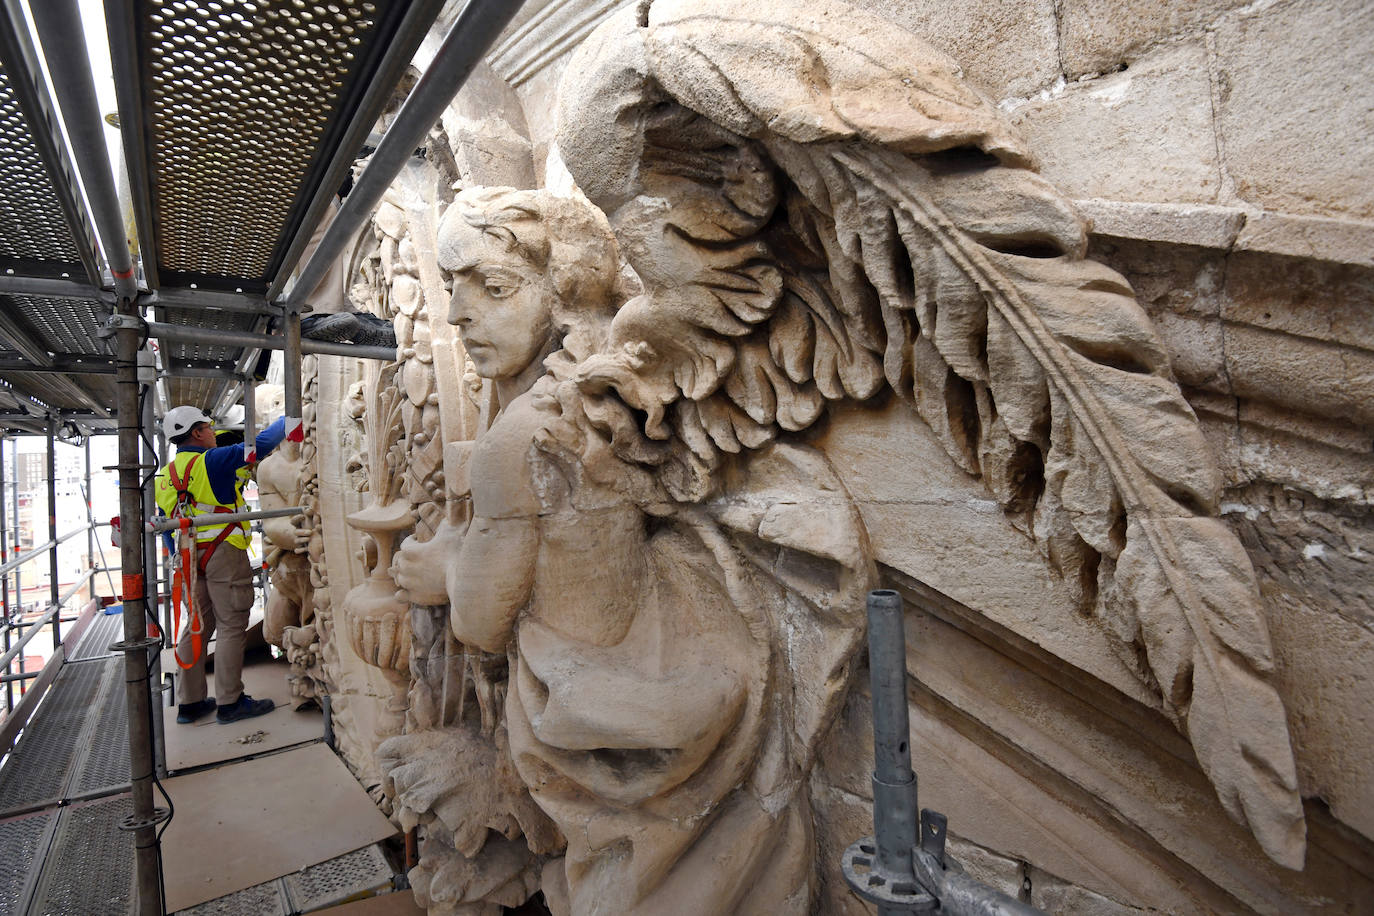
{"type": "Point", "coordinates": [53, 587]}
{"type": "Point", "coordinates": [136, 668]}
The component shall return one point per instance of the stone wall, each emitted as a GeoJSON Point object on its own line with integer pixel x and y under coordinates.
{"type": "Point", "coordinates": [1219, 151]}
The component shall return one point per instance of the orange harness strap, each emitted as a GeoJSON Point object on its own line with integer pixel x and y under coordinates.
{"type": "Point", "coordinates": [183, 579]}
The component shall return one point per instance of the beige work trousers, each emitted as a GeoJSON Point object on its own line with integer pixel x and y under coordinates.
{"type": "Point", "coordinates": [224, 596]}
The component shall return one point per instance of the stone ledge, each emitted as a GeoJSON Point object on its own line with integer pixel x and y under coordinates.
{"type": "Point", "coordinates": [1343, 241]}
{"type": "Point", "coordinates": [1340, 241]}
{"type": "Point", "coordinates": [1203, 225]}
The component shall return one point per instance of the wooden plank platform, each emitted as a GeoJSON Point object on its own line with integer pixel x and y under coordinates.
{"type": "Point", "coordinates": [248, 822]}
{"type": "Point", "coordinates": [207, 741]}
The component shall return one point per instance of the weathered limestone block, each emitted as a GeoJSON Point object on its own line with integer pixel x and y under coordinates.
{"type": "Point", "coordinates": [1329, 303]}
{"type": "Point", "coordinates": [1342, 241]}
{"type": "Point", "coordinates": [1201, 225]}
{"type": "Point", "coordinates": [1300, 374]}
{"type": "Point", "coordinates": [1144, 134]}
{"type": "Point", "coordinates": [1324, 669]}
{"type": "Point", "coordinates": [1269, 351]}
{"type": "Point", "coordinates": [1295, 108]}
{"type": "Point", "coordinates": [1005, 49]}
{"type": "Point", "coordinates": [1100, 36]}
{"type": "Point", "coordinates": [485, 129]}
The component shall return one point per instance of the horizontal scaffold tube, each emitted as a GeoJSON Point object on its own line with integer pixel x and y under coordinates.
{"type": "Point", "coordinates": [28, 555]}
{"type": "Point", "coordinates": [184, 334]}
{"type": "Point", "coordinates": [32, 627]}
{"type": "Point", "coordinates": [213, 519]}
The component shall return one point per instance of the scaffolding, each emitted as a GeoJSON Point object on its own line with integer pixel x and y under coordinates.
{"type": "Point", "coordinates": [210, 279]}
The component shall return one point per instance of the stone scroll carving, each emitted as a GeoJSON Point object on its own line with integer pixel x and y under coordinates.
{"type": "Point", "coordinates": [820, 210]}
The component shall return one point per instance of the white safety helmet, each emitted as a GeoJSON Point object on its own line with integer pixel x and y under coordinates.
{"type": "Point", "coordinates": [179, 420]}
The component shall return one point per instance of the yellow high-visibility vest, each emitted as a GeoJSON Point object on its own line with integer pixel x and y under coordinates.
{"type": "Point", "coordinates": [201, 499]}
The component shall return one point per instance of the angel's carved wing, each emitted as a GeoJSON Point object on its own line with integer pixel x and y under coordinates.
{"type": "Point", "coordinates": [819, 207]}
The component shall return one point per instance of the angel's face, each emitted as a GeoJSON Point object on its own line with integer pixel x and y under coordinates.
{"type": "Point", "coordinates": [501, 305]}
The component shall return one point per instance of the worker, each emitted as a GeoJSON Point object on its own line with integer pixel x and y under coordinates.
{"type": "Point", "coordinates": [203, 478]}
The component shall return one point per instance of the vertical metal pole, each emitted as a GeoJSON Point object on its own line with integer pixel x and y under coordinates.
{"type": "Point", "coordinates": [54, 590]}
{"type": "Point", "coordinates": [894, 785]}
{"type": "Point", "coordinates": [250, 454]}
{"type": "Point", "coordinates": [291, 371]}
{"type": "Point", "coordinates": [135, 662]}
{"type": "Point", "coordinates": [90, 520]}
{"type": "Point", "coordinates": [250, 388]}
{"type": "Point", "coordinates": [165, 586]}
{"type": "Point", "coordinates": [5, 579]}
{"type": "Point", "coordinates": [146, 382]}
{"type": "Point", "coordinates": [18, 548]}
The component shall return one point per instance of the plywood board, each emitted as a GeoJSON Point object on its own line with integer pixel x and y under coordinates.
{"type": "Point", "coordinates": [251, 821]}
{"type": "Point", "coordinates": [207, 741]}
{"type": "Point", "coordinates": [401, 903]}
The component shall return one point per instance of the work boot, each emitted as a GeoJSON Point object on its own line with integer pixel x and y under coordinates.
{"type": "Point", "coordinates": [190, 712]}
{"type": "Point", "coordinates": [244, 708]}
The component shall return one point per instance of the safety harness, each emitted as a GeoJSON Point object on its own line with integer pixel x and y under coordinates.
{"type": "Point", "coordinates": [189, 569]}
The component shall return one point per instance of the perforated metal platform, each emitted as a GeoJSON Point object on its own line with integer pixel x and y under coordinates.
{"type": "Point", "coordinates": [362, 873]}
{"type": "Point", "coordinates": [101, 765]}
{"type": "Point", "coordinates": [260, 900]}
{"type": "Point", "coordinates": [89, 868]}
{"type": "Point", "coordinates": [268, 88]}
{"type": "Point", "coordinates": [95, 642]}
{"type": "Point", "coordinates": [77, 743]}
{"type": "Point", "coordinates": [37, 770]}
{"type": "Point", "coordinates": [22, 842]}
{"type": "Point", "coordinates": [35, 210]}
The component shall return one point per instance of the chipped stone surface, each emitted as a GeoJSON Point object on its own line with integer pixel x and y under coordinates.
{"type": "Point", "coordinates": [1181, 224]}
{"type": "Point", "coordinates": [1144, 134]}
{"type": "Point", "coordinates": [1343, 241]}
{"type": "Point", "coordinates": [1310, 299]}
{"type": "Point", "coordinates": [1322, 549]}
{"type": "Point", "coordinates": [1301, 374]}
{"type": "Point", "coordinates": [1099, 36]}
{"type": "Point", "coordinates": [1005, 49]}
{"type": "Point", "coordinates": [1296, 105]}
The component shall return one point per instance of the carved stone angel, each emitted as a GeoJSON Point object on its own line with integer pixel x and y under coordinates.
{"type": "Point", "coordinates": [820, 210]}
{"type": "Point", "coordinates": [672, 666]}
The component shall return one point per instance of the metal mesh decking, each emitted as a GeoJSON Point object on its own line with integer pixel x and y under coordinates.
{"type": "Point", "coordinates": [102, 764]}
{"type": "Point", "coordinates": [23, 840]}
{"type": "Point", "coordinates": [32, 224]}
{"type": "Point", "coordinates": [242, 104]}
{"type": "Point", "coordinates": [36, 771]}
{"type": "Point", "coordinates": [95, 642]}
{"type": "Point", "coordinates": [89, 869]}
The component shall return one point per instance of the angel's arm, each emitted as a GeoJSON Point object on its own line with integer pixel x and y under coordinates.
{"type": "Point", "coordinates": [491, 579]}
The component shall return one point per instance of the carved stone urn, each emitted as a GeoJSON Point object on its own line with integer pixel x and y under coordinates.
{"type": "Point", "coordinates": [377, 621]}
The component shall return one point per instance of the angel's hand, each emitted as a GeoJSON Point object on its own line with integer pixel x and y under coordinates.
{"type": "Point", "coordinates": [421, 569]}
